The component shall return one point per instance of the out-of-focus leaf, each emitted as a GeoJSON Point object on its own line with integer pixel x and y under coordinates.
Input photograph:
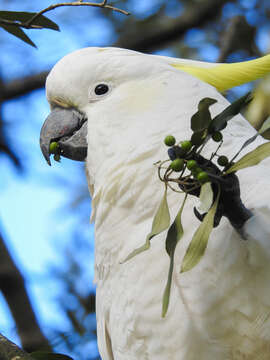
{"type": "Point", "coordinates": [202, 118]}
{"type": "Point", "coordinates": [160, 223]}
{"type": "Point", "coordinates": [18, 32]}
{"type": "Point", "coordinates": [252, 158]}
{"type": "Point", "coordinates": [206, 197]}
{"type": "Point", "coordinates": [23, 16]}
{"type": "Point", "coordinates": [43, 355]}
{"type": "Point", "coordinates": [264, 127]}
{"type": "Point", "coordinates": [174, 234]}
{"type": "Point", "coordinates": [199, 241]}
{"type": "Point", "coordinates": [220, 121]}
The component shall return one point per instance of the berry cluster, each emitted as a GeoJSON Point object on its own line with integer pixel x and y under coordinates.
{"type": "Point", "coordinates": [185, 158]}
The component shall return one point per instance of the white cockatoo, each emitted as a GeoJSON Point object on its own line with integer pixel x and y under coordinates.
{"type": "Point", "coordinates": [112, 108]}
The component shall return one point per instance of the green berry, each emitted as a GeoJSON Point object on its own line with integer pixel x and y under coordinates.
{"type": "Point", "coordinates": [177, 165]}
{"type": "Point", "coordinates": [196, 170]}
{"type": "Point", "coordinates": [53, 149]}
{"type": "Point", "coordinates": [186, 145]}
{"type": "Point", "coordinates": [217, 136]}
{"type": "Point", "coordinates": [169, 140]}
{"type": "Point", "coordinates": [223, 160]}
{"type": "Point", "coordinates": [202, 177]}
{"type": "Point", "coordinates": [56, 157]}
{"type": "Point", "coordinates": [191, 164]}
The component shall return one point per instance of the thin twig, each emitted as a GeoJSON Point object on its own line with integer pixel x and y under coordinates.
{"type": "Point", "coordinates": [103, 4]}
{"type": "Point", "coordinates": [29, 24]}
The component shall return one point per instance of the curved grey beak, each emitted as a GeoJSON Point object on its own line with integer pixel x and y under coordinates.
{"type": "Point", "coordinates": [68, 128]}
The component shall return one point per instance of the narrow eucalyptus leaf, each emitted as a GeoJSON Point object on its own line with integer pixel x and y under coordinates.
{"type": "Point", "coordinates": [246, 143]}
{"type": "Point", "coordinates": [43, 355]}
{"type": "Point", "coordinates": [160, 223]}
{"type": "Point", "coordinates": [167, 291]}
{"type": "Point", "coordinates": [174, 234]}
{"type": "Point", "coordinates": [265, 126]}
{"type": "Point", "coordinates": [162, 218]}
{"type": "Point", "coordinates": [198, 244]}
{"type": "Point", "coordinates": [175, 231]}
{"type": "Point", "coordinates": [205, 103]}
{"type": "Point", "coordinates": [139, 250]}
{"type": "Point", "coordinates": [18, 32]}
{"type": "Point", "coordinates": [45, 22]}
{"type": "Point", "coordinates": [23, 16]}
{"type": "Point", "coordinates": [202, 118]}
{"type": "Point", "coordinates": [16, 15]}
{"type": "Point", "coordinates": [220, 121]}
{"type": "Point", "coordinates": [252, 158]}
{"type": "Point", "coordinates": [206, 197]}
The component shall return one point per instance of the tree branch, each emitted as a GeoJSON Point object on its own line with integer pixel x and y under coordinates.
{"type": "Point", "coordinates": [14, 291]}
{"type": "Point", "coordinates": [103, 5]}
{"type": "Point", "coordinates": [192, 17]}
{"type": "Point", "coordinates": [22, 86]}
{"type": "Point", "coordinates": [29, 23]}
{"type": "Point", "coordinates": [10, 351]}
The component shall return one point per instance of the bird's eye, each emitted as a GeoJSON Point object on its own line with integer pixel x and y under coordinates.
{"type": "Point", "coordinates": [101, 89]}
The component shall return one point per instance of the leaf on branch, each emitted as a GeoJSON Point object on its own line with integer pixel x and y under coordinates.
{"type": "Point", "coordinates": [24, 17]}
{"type": "Point", "coordinates": [160, 223]}
{"type": "Point", "coordinates": [43, 355]}
{"type": "Point", "coordinates": [199, 241]}
{"type": "Point", "coordinates": [174, 234]}
{"type": "Point", "coordinates": [202, 118]}
{"type": "Point", "coordinates": [264, 127]}
{"type": "Point", "coordinates": [206, 197]}
{"type": "Point", "coordinates": [220, 121]}
{"type": "Point", "coordinates": [18, 32]}
{"type": "Point", "coordinates": [252, 158]}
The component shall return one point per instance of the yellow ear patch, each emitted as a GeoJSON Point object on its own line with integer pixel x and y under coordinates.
{"type": "Point", "coordinates": [226, 76]}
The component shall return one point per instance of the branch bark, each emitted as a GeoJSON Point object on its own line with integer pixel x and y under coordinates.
{"type": "Point", "coordinates": [193, 17]}
{"type": "Point", "coordinates": [10, 351]}
{"type": "Point", "coordinates": [15, 294]}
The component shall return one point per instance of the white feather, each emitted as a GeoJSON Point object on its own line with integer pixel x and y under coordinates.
{"type": "Point", "coordinates": [220, 310]}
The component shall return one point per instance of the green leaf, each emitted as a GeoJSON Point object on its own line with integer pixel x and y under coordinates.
{"type": "Point", "coordinates": [202, 118]}
{"type": "Point", "coordinates": [199, 241]}
{"type": "Point", "coordinates": [160, 223]}
{"type": "Point", "coordinates": [43, 355]}
{"type": "Point", "coordinates": [199, 137]}
{"type": "Point", "coordinates": [206, 197]}
{"type": "Point", "coordinates": [265, 126]}
{"type": "Point", "coordinates": [22, 16]}
{"type": "Point", "coordinates": [18, 32]}
{"type": "Point", "coordinates": [174, 234]}
{"type": "Point", "coordinates": [220, 121]}
{"type": "Point", "coordinates": [252, 158]}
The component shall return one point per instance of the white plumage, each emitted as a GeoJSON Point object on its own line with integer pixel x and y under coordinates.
{"type": "Point", "coordinates": [220, 310]}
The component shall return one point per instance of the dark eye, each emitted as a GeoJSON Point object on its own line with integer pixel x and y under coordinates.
{"type": "Point", "coordinates": [101, 89]}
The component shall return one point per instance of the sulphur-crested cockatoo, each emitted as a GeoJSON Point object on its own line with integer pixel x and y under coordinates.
{"type": "Point", "coordinates": [112, 108]}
